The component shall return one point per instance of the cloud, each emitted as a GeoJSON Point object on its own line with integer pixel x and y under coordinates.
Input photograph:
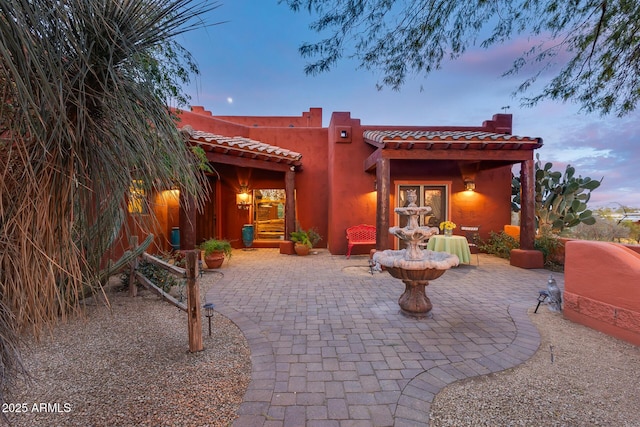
{"type": "Point", "coordinates": [601, 148]}
{"type": "Point", "coordinates": [255, 58]}
{"type": "Point", "coordinates": [494, 61]}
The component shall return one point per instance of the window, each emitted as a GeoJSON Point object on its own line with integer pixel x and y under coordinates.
{"type": "Point", "coordinates": [434, 195]}
{"type": "Point", "coordinates": [137, 202]}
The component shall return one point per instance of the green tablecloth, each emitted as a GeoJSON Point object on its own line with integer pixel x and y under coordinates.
{"type": "Point", "coordinates": [456, 245]}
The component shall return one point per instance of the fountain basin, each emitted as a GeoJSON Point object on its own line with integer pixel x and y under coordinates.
{"type": "Point", "coordinates": [415, 274]}
{"type": "Point", "coordinates": [414, 266]}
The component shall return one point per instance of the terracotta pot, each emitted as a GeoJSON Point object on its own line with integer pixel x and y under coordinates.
{"type": "Point", "coordinates": [302, 249]}
{"type": "Point", "coordinates": [214, 259]}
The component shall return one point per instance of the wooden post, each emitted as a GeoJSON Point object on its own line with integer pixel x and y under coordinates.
{"type": "Point", "coordinates": [290, 203]}
{"type": "Point", "coordinates": [194, 321]}
{"type": "Point", "coordinates": [383, 179]}
{"type": "Point", "coordinates": [527, 256]}
{"type": "Point", "coordinates": [528, 205]}
{"type": "Point", "coordinates": [133, 287]}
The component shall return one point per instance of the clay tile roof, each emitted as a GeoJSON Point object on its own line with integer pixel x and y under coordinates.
{"type": "Point", "coordinates": [449, 139]}
{"type": "Point", "coordinates": [241, 147]}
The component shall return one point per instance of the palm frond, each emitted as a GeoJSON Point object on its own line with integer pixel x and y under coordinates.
{"type": "Point", "coordinates": [80, 118]}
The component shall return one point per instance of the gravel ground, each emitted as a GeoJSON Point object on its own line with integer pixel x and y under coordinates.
{"type": "Point", "coordinates": [578, 377]}
{"type": "Point", "coordinates": [130, 366]}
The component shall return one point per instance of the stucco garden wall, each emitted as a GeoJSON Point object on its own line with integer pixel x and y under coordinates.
{"type": "Point", "coordinates": [602, 288]}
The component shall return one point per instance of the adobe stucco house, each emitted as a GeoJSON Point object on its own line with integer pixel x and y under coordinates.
{"type": "Point", "coordinates": [272, 172]}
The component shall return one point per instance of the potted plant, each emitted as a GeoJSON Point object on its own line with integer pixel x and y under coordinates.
{"type": "Point", "coordinates": [215, 252]}
{"type": "Point", "coordinates": [304, 240]}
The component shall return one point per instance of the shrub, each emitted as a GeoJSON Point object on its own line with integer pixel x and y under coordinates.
{"type": "Point", "coordinates": [549, 244]}
{"type": "Point", "coordinates": [157, 275]}
{"type": "Point", "coordinates": [605, 229]}
{"type": "Point", "coordinates": [499, 244]}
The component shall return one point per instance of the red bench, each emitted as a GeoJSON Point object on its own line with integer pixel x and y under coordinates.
{"type": "Point", "coordinates": [362, 234]}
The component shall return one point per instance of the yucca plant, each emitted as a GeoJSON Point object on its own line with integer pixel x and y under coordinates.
{"type": "Point", "coordinates": [84, 89]}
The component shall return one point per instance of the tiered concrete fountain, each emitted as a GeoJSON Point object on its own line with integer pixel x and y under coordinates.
{"type": "Point", "coordinates": [414, 266]}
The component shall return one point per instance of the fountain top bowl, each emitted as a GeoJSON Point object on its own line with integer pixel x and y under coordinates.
{"type": "Point", "coordinates": [413, 210]}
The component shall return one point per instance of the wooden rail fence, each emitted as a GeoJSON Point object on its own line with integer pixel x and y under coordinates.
{"type": "Point", "coordinates": [192, 307]}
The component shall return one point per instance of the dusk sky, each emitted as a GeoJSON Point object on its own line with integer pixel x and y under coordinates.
{"type": "Point", "coordinates": [250, 65]}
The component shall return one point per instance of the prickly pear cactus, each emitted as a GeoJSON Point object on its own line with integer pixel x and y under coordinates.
{"type": "Point", "coordinates": [561, 199]}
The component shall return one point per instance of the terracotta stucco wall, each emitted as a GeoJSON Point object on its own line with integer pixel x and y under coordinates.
{"type": "Point", "coordinates": [141, 225]}
{"type": "Point", "coordinates": [602, 288]}
{"type": "Point", "coordinates": [333, 192]}
{"type": "Point", "coordinates": [352, 199]}
{"type": "Point", "coordinates": [311, 181]}
{"type": "Point", "coordinates": [311, 118]}
{"type": "Point", "coordinates": [205, 122]}
{"type": "Point", "coordinates": [489, 206]}
{"type": "Point", "coordinates": [302, 134]}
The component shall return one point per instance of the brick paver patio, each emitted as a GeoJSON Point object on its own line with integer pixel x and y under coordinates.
{"type": "Point", "coordinates": [329, 347]}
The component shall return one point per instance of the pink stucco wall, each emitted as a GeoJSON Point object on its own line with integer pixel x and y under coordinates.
{"type": "Point", "coordinates": [602, 288]}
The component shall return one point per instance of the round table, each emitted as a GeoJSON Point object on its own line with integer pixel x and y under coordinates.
{"type": "Point", "coordinates": [457, 245]}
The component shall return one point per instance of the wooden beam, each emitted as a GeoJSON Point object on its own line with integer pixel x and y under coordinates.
{"type": "Point", "coordinates": [371, 162]}
{"type": "Point", "coordinates": [248, 162]}
{"type": "Point", "coordinates": [492, 164]}
{"type": "Point", "coordinates": [153, 288]}
{"type": "Point", "coordinates": [133, 289]}
{"type": "Point", "coordinates": [180, 272]}
{"type": "Point", "coordinates": [477, 155]}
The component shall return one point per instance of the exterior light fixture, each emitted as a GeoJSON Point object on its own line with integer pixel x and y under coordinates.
{"type": "Point", "coordinates": [208, 308]}
{"type": "Point", "coordinates": [542, 295]}
{"type": "Point", "coordinates": [343, 134]}
{"type": "Point", "coordinates": [470, 185]}
{"type": "Point", "coordinates": [243, 198]}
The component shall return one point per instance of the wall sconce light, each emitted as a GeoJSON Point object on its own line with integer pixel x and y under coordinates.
{"type": "Point", "coordinates": [243, 198]}
{"type": "Point", "coordinates": [469, 185]}
{"type": "Point", "coordinates": [343, 134]}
